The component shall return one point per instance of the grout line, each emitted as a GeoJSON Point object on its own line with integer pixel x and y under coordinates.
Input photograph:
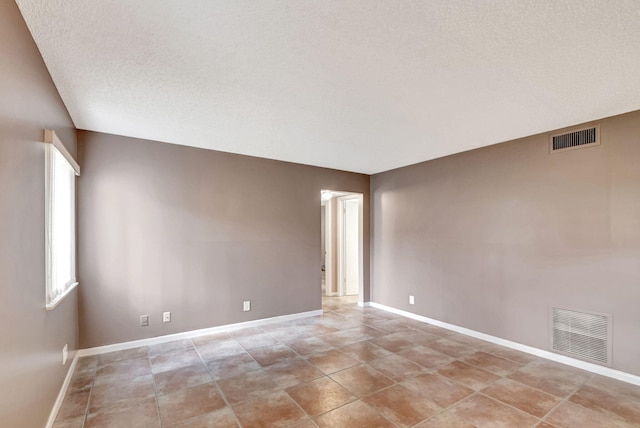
{"type": "Point", "coordinates": [155, 389]}
{"type": "Point", "coordinates": [481, 392]}
{"type": "Point", "coordinates": [511, 406]}
{"type": "Point", "coordinates": [340, 406]}
{"type": "Point", "coordinates": [291, 324]}
{"type": "Point", "coordinates": [195, 333]}
{"type": "Point", "coordinates": [457, 403]}
{"type": "Point", "coordinates": [569, 361]}
{"type": "Point", "coordinates": [93, 381]}
{"type": "Point", "coordinates": [356, 398]}
{"type": "Point", "coordinates": [432, 416]}
{"type": "Point", "coordinates": [222, 394]}
{"type": "Point", "coordinates": [565, 399]}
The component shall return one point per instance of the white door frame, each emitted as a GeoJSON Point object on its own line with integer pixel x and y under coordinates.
{"type": "Point", "coordinates": [341, 239]}
{"type": "Point", "coordinates": [329, 228]}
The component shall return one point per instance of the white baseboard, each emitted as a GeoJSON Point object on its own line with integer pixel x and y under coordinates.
{"type": "Point", "coordinates": [63, 391]}
{"type": "Point", "coordinates": [594, 368]}
{"type": "Point", "coordinates": [364, 304]}
{"type": "Point", "coordinates": [194, 333]}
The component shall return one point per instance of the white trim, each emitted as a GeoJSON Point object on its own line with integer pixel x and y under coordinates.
{"type": "Point", "coordinates": [51, 137]}
{"type": "Point", "coordinates": [194, 333]}
{"type": "Point", "coordinates": [63, 391]}
{"type": "Point", "coordinates": [48, 159]}
{"type": "Point", "coordinates": [340, 245]}
{"type": "Point", "coordinates": [51, 306]}
{"type": "Point", "coordinates": [328, 245]}
{"type": "Point", "coordinates": [53, 144]}
{"type": "Point", "coordinates": [364, 304]}
{"type": "Point", "coordinates": [341, 225]}
{"type": "Point", "coordinates": [593, 368]}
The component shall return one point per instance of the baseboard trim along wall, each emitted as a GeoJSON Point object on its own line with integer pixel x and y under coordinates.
{"type": "Point", "coordinates": [194, 333]}
{"type": "Point", "coordinates": [163, 339]}
{"type": "Point", "coordinates": [364, 304]}
{"type": "Point", "coordinates": [63, 392]}
{"type": "Point", "coordinates": [594, 368]}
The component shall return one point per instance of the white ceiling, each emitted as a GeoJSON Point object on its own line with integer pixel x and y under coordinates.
{"type": "Point", "coordinates": [357, 85]}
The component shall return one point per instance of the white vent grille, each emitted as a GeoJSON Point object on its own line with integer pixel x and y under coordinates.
{"type": "Point", "coordinates": [582, 335]}
{"type": "Point", "coordinates": [580, 138]}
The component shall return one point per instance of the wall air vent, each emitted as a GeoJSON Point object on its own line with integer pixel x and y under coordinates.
{"type": "Point", "coordinates": [578, 139]}
{"type": "Point", "coordinates": [582, 335]}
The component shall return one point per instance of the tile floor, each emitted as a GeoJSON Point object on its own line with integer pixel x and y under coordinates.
{"type": "Point", "coordinates": [351, 367]}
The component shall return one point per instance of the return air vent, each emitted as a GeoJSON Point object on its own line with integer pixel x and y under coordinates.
{"type": "Point", "coordinates": [582, 335]}
{"type": "Point", "coordinates": [581, 138]}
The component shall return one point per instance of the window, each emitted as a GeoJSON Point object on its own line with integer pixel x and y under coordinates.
{"type": "Point", "coordinates": [60, 227]}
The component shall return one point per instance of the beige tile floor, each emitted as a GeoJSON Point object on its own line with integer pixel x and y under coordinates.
{"type": "Point", "coordinates": [351, 367]}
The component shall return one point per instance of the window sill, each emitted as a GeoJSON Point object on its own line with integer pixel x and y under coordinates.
{"type": "Point", "coordinates": [51, 306]}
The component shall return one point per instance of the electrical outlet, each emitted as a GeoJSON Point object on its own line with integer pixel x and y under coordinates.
{"type": "Point", "coordinates": [144, 320]}
{"type": "Point", "coordinates": [166, 317]}
{"type": "Point", "coordinates": [65, 354]}
{"type": "Point", "coordinates": [412, 300]}
{"type": "Point", "coordinates": [246, 305]}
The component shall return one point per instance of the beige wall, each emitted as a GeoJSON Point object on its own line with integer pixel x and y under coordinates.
{"type": "Point", "coordinates": [31, 339]}
{"type": "Point", "coordinates": [492, 238]}
{"type": "Point", "coordinates": [164, 227]}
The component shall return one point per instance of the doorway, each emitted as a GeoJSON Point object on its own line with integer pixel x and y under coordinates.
{"type": "Point", "coordinates": [342, 244]}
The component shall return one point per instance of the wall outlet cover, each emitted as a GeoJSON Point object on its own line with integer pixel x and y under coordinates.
{"type": "Point", "coordinates": [166, 317]}
{"type": "Point", "coordinates": [144, 320]}
{"type": "Point", "coordinates": [246, 305]}
{"type": "Point", "coordinates": [412, 300]}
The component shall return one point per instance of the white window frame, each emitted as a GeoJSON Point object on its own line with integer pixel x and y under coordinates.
{"type": "Point", "coordinates": [54, 147]}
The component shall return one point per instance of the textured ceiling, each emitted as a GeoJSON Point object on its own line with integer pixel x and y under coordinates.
{"type": "Point", "coordinates": [360, 85]}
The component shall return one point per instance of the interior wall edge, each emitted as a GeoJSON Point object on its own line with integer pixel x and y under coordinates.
{"type": "Point", "coordinates": [195, 232]}
{"type": "Point", "coordinates": [494, 238]}
{"type": "Point", "coordinates": [584, 365]}
{"type": "Point", "coordinates": [194, 333]}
